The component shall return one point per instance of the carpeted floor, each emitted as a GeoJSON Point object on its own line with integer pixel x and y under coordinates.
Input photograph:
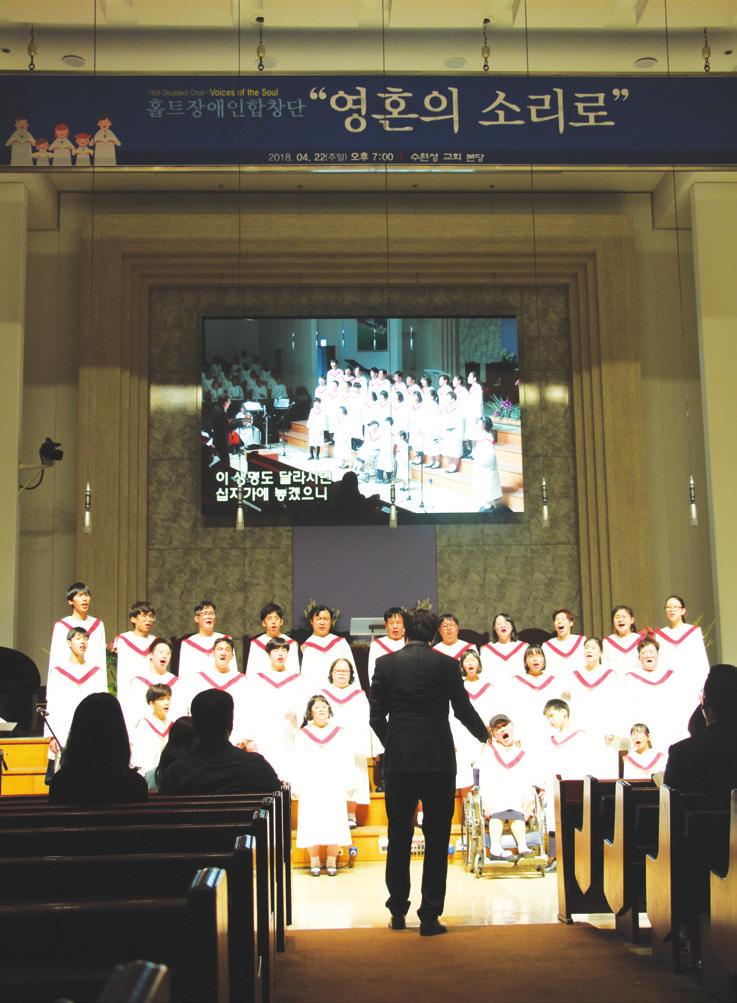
{"type": "Point", "coordinates": [551, 963]}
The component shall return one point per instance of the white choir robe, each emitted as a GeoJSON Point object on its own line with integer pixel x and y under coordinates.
{"type": "Point", "coordinates": [96, 653]}
{"type": "Point", "coordinates": [270, 697]}
{"type": "Point", "coordinates": [148, 739]}
{"type": "Point", "coordinates": [258, 656]}
{"type": "Point", "coordinates": [523, 698]}
{"type": "Point", "coordinates": [321, 781]}
{"type": "Point", "coordinates": [134, 704]}
{"type": "Point", "coordinates": [507, 778]}
{"type": "Point", "coordinates": [67, 685]}
{"type": "Point", "coordinates": [379, 647]}
{"type": "Point", "coordinates": [564, 656]}
{"type": "Point", "coordinates": [351, 711]}
{"type": "Point", "coordinates": [316, 428]}
{"type": "Point", "coordinates": [500, 661]}
{"type": "Point", "coordinates": [195, 655]}
{"type": "Point", "coordinates": [318, 654]}
{"type": "Point", "coordinates": [456, 650]}
{"type": "Point", "coordinates": [682, 649]}
{"type": "Point", "coordinates": [620, 653]}
{"type": "Point", "coordinates": [133, 660]}
{"type": "Point", "coordinates": [572, 755]}
{"type": "Point", "coordinates": [660, 700]}
{"type": "Point", "coordinates": [233, 682]}
{"type": "Point", "coordinates": [642, 765]}
{"type": "Point", "coordinates": [484, 700]}
{"type": "Point", "coordinates": [595, 700]}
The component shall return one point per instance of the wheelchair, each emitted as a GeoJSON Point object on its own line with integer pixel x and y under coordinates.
{"type": "Point", "coordinates": [477, 859]}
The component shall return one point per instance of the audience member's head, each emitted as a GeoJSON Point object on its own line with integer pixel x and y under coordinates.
{"type": "Point", "coordinates": [420, 624]}
{"type": "Point", "coordinates": [98, 739]}
{"type": "Point", "coordinates": [179, 744]}
{"type": "Point", "coordinates": [720, 693]}
{"type": "Point", "coordinates": [212, 716]}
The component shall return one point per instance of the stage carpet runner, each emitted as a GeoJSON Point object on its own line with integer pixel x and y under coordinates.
{"type": "Point", "coordinates": [550, 963]}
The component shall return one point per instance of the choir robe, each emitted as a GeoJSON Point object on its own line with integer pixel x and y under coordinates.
{"type": "Point", "coordinates": [507, 778]}
{"type": "Point", "coordinates": [233, 682]}
{"type": "Point", "coordinates": [642, 765]}
{"type": "Point", "coordinates": [258, 657]}
{"type": "Point", "coordinates": [564, 656]}
{"type": "Point", "coordinates": [321, 782]}
{"type": "Point", "coordinates": [96, 649]}
{"type": "Point", "coordinates": [195, 655]}
{"type": "Point", "coordinates": [485, 701]}
{"type": "Point", "coordinates": [571, 755]}
{"type": "Point", "coordinates": [456, 650]}
{"type": "Point", "coordinates": [620, 653]}
{"type": "Point", "coordinates": [523, 698]}
{"type": "Point", "coordinates": [499, 661]}
{"type": "Point", "coordinates": [134, 704]}
{"type": "Point", "coordinates": [380, 646]}
{"type": "Point", "coordinates": [318, 654]}
{"type": "Point", "coordinates": [148, 739]}
{"type": "Point", "coordinates": [661, 700]}
{"type": "Point", "coordinates": [595, 699]}
{"type": "Point", "coordinates": [133, 660]}
{"type": "Point", "coordinates": [270, 697]}
{"type": "Point", "coordinates": [67, 685]}
{"type": "Point", "coordinates": [351, 711]}
{"type": "Point", "coordinates": [682, 649]}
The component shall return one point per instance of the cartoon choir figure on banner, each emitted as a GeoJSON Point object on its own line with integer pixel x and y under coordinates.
{"type": "Point", "coordinates": [620, 647]}
{"type": "Point", "coordinates": [133, 647]}
{"type": "Point", "coordinates": [564, 652]}
{"type": "Point", "coordinates": [642, 761]}
{"type": "Point", "coordinates": [450, 643]}
{"type": "Point", "coordinates": [682, 644]}
{"type": "Point", "coordinates": [272, 620]}
{"type": "Point", "coordinates": [322, 782]}
{"type": "Point", "coordinates": [274, 700]}
{"type": "Point", "coordinates": [351, 711]}
{"type": "Point", "coordinates": [504, 654]}
{"type": "Point", "coordinates": [321, 649]}
{"type": "Point", "coordinates": [196, 651]}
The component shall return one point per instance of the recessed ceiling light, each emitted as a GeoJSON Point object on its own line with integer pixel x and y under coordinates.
{"type": "Point", "coordinates": [645, 62]}
{"type": "Point", "coordinates": [455, 62]}
{"type": "Point", "coordinates": [72, 60]}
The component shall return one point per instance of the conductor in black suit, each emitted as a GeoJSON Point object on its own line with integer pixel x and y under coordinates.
{"type": "Point", "coordinates": [410, 696]}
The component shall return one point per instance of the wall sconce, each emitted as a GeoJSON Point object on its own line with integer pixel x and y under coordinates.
{"type": "Point", "coordinates": [260, 47]}
{"type": "Point", "coordinates": [87, 517]}
{"type": "Point", "coordinates": [240, 512]}
{"type": "Point", "coordinates": [544, 500]}
{"type": "Point", "coordinates": [392, 508]}
{"type": "Point", "coordinates": [705, 52]}
{"type": "Point", "coordinates": [485, 50]}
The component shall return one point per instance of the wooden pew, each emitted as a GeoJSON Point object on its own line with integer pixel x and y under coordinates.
{"type": "Point", "coordinates": [137, 982]}
{"type": "Point", "coordinates": [41, 943]}
{"type": "Point", "coordinates": [182, 838]}
{"type": "Point", "coordinates": [635, 834]}
{"type": "Point", "coordinates": [693, 838]}
{"type": "Point", "coordinates": [719, 929]}
{"type": "Point", "coordinates": [569, 816]}
{"type": "Point", "coordinates": [82, 878]}
{"type": "Point", "coordinates": [597, 823]}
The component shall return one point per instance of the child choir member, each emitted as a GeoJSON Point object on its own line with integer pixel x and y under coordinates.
{"type": "Point", "coordinates": [504, 654]}
{"type": "Point", "coordinates": [351, 711]}
{"type": "Point", "coordinates": [196, 651]}
{"type": "Point", "coordinates": [570, 752]}
{"type": "Point", "coordinates": [526, 693]}
{"type": "Point", "coordinates": [595, 693]}
{"type": "Point", "coordinates": [274, 699]}
{"type": "Point", "coordinates": [70, 680]}
{"type": "Point", "coordinates": [133, 646]}
{"type": "Point", "coordinates": [508, 776]}
{"type": "Point", "coordinates": [564, 652]}
{"type": "Point", "coordinates": [484, 697]}
{"type": "Point", "coordinates": [659, 695]}
{"type": "Point", "coordinates": [321, 649]}
{"type": "Point", "coordinates": [151, 731]}
{"type": "Point", "coordinates": [682, 644]}
{"type": "Point", "coordinates": [79, 599]}
{"type": "Point", "coordinates": [321, 781]}
{"type": "Point", "coordinates": [450, 643]}
{"type": "Point", "coordinates": [156, 674]}
{"type": "Point", "coordinates": [620, 647]}
{"type": "Point", "coordinates": [642, 760]}
{"type": "Point", "coordinates": [272, 620]}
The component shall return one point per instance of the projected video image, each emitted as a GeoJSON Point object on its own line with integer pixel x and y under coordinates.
{"type": "Point", "coordinates": [333, 420]}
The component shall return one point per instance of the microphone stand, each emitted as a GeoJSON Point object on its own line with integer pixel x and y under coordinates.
{"type": "Point", "coordinates": [44, 714]}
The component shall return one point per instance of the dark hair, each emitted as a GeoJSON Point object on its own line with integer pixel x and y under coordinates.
{"type": "Point", "coordinates": [531, 649]}
{"type": "Point", "coordinates": [393, 611]}
{"type": "Point", "coordinates": [648, 640]}
{"type": "Point", "coordinates": [160, 640]}
{"type": "Point", "coordinates": [77, 588]}
{"type": "Point", "coordinates": [157, 692]}
{"type": "Point", "coordinates": [681, 601]}
{"type": "Point", "coordinates": [319, 607]}
{"type": "Point", "coordinates": [203, 604]}
{"type": "Point", "coordinates": [567, 612]}
{"type": "Point", "coordinates": [225, 639]}
{"type": "Point", "coordinates": [277, 642]}
{"type": "Point", "coordinates": [310, 704]}
{"type": "Point", "coordinates": [556, 704]}
{"type": "Point", "coordinates": [506, 617]}
{"type": "Point", "coordinates": [140, 606]}
{"type": "Point", "coordinates": [98, 739]}
{"type": "Point", "coordinates": [720, 690]}
{"type": "Point", "coordinates": [599, 642]}
{"type": "Point", "coordinates": [628, 609]}
{"type": "Point", "coordinates": [341, 659]}
{"type": "Point", "coordinates": [420, 624]}
{"type": "Point", "coordinates": [212, 716]}
{"type": "Point", "coordinates": [641, 727]}
{"type": "Point", "coordinates": [448, 616]}
{"type": "Point", "coordinates": [179, 743]}
{"type": "Point", "coordinates": [77, 630]}
{"type": "Point", "coordinates": [487, 424]}
{"type": "Point", "coordinates": [465, 655]}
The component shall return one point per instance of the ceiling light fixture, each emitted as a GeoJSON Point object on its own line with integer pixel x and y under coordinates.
{"type": "Point", "coordinates": [72, 60]}
{"type": "Point", "coordinates": [455, 62]}
{"type": "Point", "coordinates": [646, 62]}
{"type": "Point", "coordinates": [485, 50]}
{"type": "Point", "coordinates": [706, 52]}
{"type": "Point", "coordinates": [260, 48]}
{"type": "Point", "coordinates": [31, 49]}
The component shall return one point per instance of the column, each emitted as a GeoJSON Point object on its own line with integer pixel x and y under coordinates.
{"type": "Point", "coordinates": [13, 218]}
{"type": "Point", "coordinates": [714, 220]}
